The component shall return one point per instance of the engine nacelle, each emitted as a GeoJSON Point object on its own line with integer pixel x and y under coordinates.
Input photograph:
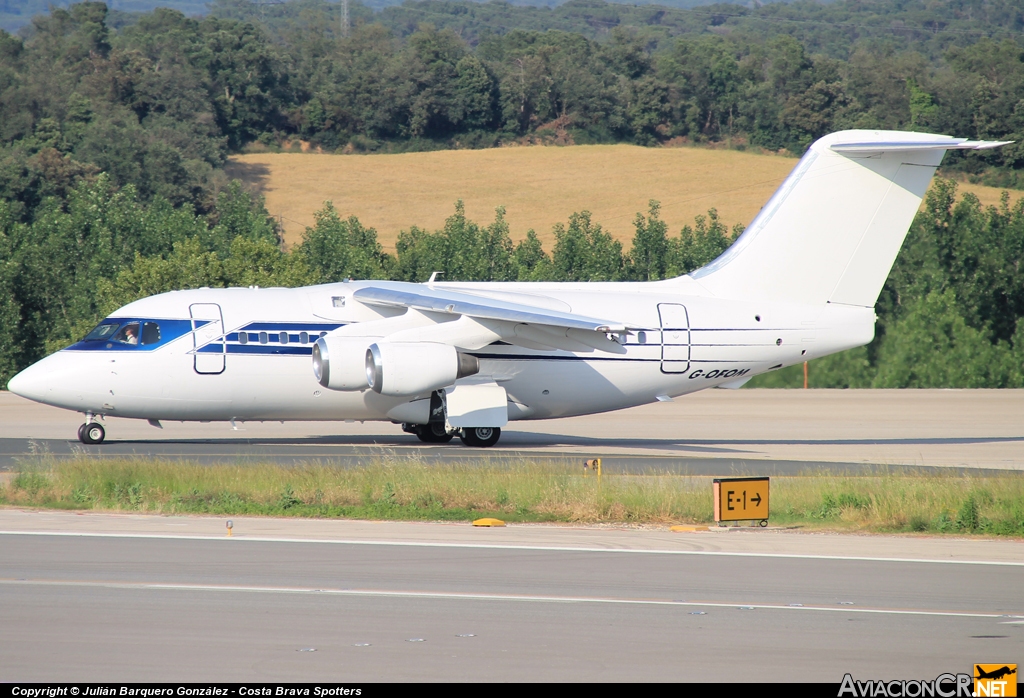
{"type": "Point", "coordinates": [413, 368]}
{"type": "Point", "coordinates": [339, 363]}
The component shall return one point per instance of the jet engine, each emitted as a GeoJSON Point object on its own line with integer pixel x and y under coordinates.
{"type": "Point", "coordinates": [413, 368]}
{"type": "Point", "coordinates": [339, 363]}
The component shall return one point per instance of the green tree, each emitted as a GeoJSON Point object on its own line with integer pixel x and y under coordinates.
{"type": "Point", "coordinates": [238, 213]}
{"type": "Point", "coordinates": [461, 250]}
{"type": "Point", "coordinates": [648, 255]}
{"type": "Point", "coordinates": [695, 247]}
{"type": "Point", "coordinates": [334, 249]}
{"type": "Point", "coordinates": [64, 251]}
{"type": "Point", "coordinates": [247, 83]}
{"type": "Point", "coordinates": [188, 265]}
{"type": "Point", "coordinates": [585, 252]}
{"type": "Point", "coordinates": [497, 255]}
{"type": "Point", "coordinates": [703, 73]}
{"type": "Point", "coordinates": [847, 369]}
{"type": "Point", "coordinates": [933, 346]}
{"type": "Point", "coordinates": [531, 261]}
{"type": "Point", "coordinates": [11, 339]}
{"type": "Point", "coordinates": [473, 103]}
{"type": "Point", "coordinates": [262, 263]}
{"type": "Point", "coordinates": [923, 111]}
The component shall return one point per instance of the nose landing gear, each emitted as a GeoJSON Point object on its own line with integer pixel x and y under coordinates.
{"type": "Point", "coordinates": [91, 433]}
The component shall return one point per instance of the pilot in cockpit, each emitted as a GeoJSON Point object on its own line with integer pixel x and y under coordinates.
{"type": "Point", "coordinates": [129, 334]}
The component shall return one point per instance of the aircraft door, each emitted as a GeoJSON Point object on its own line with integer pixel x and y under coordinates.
{"type": "Point", "coordinates": [675, 338]}
{"type": "Point", "coordinates": [208, 338]}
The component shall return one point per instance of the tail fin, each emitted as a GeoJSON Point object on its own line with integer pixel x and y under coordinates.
{"type": "Point", "coordinates": [833, 229]}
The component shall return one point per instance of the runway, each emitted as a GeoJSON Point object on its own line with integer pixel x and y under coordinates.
{"type": "Point", "coordinates": [769, 432]}
{"type": "Point", "coordinates": [343, 452]}
{"type": "Point", "coordinates": [98, 598]}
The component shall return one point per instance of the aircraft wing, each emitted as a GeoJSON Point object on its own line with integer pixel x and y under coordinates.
{"type": "Point", "coordinates": [439, 300]}
{"type": "Point", "coordinates": [919, 144]}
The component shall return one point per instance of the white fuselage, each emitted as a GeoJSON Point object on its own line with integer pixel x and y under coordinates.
{"type": "Point", "coordinates": [799, 283]}
{"type": "Point", "coordinates": [197, 371]}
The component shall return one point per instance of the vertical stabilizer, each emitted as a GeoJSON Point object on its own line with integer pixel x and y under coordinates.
{"type": "Point", "coordinates": [833, 229]}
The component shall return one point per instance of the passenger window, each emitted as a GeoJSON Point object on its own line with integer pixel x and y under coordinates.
{"type": "Point", "coordinates": [304, 337]}
{"type": "Point", "coordinates": [129, 334]}
{"type": "Point", "coordinates": [264, 338]}
{"type": "Point", "coordinates": [243, 337]}
{"type": "Point", "coordinates": [283, 338]}
{"type": "Point", "coordinates": [150, 333]}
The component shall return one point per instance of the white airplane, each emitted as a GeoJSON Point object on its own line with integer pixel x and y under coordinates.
{"type": "Point", "coordinates": [446, 359]}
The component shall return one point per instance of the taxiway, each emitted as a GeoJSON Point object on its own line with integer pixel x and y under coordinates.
{"type": "Point", "coordinates": [773, 432]}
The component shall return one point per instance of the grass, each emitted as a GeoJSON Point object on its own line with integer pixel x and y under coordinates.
{"type": "Point", "coordinates": [517, 491]}
{"type": "Point", "coordinates": [538, 185]}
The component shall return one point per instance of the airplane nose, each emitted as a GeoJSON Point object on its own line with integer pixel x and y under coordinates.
{"type": "Point", "coordinates": [30, 383]}
{"type": "Point", "coordinates": [66, 379]}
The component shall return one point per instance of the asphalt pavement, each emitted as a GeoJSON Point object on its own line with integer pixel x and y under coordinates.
{"type": "Point", "coordinates": [96, 598]}
{"type": "Point", "coordinates": [715, 432]}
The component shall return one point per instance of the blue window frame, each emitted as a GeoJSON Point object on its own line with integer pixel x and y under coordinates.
{"type": "Point", "coordinates": [133, 334]}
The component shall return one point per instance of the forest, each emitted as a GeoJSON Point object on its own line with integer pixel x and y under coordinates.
{"type": "Point", "coordinates": [115, 126]}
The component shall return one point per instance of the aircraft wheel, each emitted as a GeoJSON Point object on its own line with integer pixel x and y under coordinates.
{"type": "Point", "coordinates": [480, 437]}
{"type": "Point", "coordinates": [91, 433]}
{"type": "Point", "coordinates": [426, 434]}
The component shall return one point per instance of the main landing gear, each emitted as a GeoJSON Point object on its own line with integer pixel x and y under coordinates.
{"type": "Point", "coordinates": [435, 433]}
{"type": "Point", "coordinates": [91, 433]}
{"type": "Point", "coordinates": [427, 434]}
{"type": "Point", "coordinates": [480, 437]}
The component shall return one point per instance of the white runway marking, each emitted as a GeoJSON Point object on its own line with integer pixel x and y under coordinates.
{"type": "Point", "coordinates": [472, 596]}
{"type": "Point", "coordinates": [511, 546]}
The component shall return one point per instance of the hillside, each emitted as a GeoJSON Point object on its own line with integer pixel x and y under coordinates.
{"type": "Point", "coordinates": [539, 186]}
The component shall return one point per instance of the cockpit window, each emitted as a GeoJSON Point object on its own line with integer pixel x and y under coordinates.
{"type": "Point", "coordinates": [129, 334]}
{"type": "Point", "coordinates": [150, 333]}
{"type": "Point", "coordinates": [134, 334]}
{"type": "Point", "coordinates": [126, 333]}
{"type": "Point", "coordinates": [102, 331]}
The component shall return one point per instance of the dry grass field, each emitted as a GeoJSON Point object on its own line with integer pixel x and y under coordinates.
{"type": "Point", "coordinates": [538, 186]}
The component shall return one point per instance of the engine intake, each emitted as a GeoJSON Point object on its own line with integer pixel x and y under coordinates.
{"type": "Point", "coordinates": [338, 362]}
{"type": "Point", "coordinates": [411, 368]}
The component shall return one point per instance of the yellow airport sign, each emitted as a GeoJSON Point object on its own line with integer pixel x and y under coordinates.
{"type": "Point", "coordinates": [741, 499]}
